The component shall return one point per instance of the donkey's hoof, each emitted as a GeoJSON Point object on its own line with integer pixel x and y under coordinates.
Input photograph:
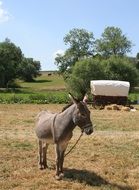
{"type": "Point", "coordinates": [42, 167]}
{"type": "Point", "coordinates": [45, 166]}
{"type": "Point", "coordinates": [62, 174]}
{"type": "Point", "coordinates": [58, 177]}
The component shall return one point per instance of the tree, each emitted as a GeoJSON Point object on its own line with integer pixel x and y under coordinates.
{"type": "Point", "coordinates": [120, 68]}
{"type": "Point", "coordinates": [113, 42]}
{"type": "Point", "coordinates": [80, 43]}
{"type": "Point", "coordinates": [29, 69]}
{"type": "Point", "coordinates": [82, 73]}
{"type": "Point", "coordinates": [10, 58]}
{"type": "Point", "coordinates": [114, 68]}
{"type": "Point", "coordinates": [137, 56]}
{"type": "Point", "coordinates": [137, 61]}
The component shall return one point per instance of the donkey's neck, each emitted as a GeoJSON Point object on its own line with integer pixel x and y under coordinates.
{"type": "Point", "coordinates": [66, 117]}
{"type": "Point", "coordinates": [64, 125]}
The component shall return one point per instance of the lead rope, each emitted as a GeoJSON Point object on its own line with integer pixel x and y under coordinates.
{"type": "Point", "coordinates": [52, 127]}
{"type": "Point", "coordinates": [74, 144]}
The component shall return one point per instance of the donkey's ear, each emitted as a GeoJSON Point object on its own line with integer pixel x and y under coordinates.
{"type": "Point", "coordinates": [74, 100]}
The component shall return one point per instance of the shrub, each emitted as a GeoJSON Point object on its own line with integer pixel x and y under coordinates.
{"type": "Point", "coordinates": [82, 73]}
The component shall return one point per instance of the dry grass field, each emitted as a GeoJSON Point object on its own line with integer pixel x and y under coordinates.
{"type": "Point", "coordinates": [106, 160]}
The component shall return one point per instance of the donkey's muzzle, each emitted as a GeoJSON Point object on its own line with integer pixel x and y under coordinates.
{"type": "Point", "coordinates": [88, 129]}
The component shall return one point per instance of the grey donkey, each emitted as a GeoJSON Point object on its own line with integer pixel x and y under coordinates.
{"type": "Point", "coordinates": [57, 128]}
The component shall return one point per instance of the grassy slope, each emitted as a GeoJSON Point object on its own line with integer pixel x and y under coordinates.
{"type": "Point", "coordinates": [106, 160]}
{"type": "Point", "coordinates": [49, 88]}
{"type": "Point", "coordinates": [44, 83]}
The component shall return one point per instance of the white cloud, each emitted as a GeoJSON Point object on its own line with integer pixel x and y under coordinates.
{"type": "Point", "coordinates": [4, 15]}
{"type": "Point", "coordinates": [58, 52]}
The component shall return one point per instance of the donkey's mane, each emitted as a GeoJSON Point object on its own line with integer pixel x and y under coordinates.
{"type": "Point", "coordinates": [66, 106]}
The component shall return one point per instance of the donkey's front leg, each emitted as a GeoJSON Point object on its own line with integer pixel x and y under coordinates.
{"type": "Point", "coordinates": [57, 162]}
{"type": "Point", "coordinates": [60, 150]}
{"type": "Point", "coordinates": [63, 147]}
{"type": "Point", "coordinates": [61, 164]}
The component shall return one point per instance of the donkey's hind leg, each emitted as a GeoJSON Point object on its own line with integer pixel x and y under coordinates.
{"type": "Point", "coordinates": [44, 155]}
{"type": "Point", "coordinates": [40, 155]}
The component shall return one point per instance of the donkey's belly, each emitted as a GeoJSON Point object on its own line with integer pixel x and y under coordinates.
{"type": "Point", "coordinates": [43, 129]}
{"type": "Point", "coordinates": [48, 141]}
{"type": "Point", "coordinates": [44, 134]}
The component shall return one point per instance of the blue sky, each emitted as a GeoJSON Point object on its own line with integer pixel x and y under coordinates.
{"type": "Point", "coordinates": [38, 26]}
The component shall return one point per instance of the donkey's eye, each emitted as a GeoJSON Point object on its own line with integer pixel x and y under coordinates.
{"type": "Point", "coordinates": [83, 115]}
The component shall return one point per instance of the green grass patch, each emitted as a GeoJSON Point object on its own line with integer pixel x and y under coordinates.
{"type": "Point", "coordinates": [36, 98]}
{"type": "Point", "coordinates": [134, 95]}
{"type": "Point", "coordinates": [47, 88]}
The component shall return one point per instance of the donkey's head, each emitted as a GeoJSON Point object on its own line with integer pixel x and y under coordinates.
{"type": "Point", "coordinates": [81, 116]}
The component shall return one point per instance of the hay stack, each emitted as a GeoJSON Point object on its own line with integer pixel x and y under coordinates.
{"type": "Point", "coordinates": [108, 107]}
{"type": "Point", "coordinates": [125, 108]}
{"type": "Point", "coordinates": [112, 107]}
{"type": "Point", "coordinates": [117, 107]}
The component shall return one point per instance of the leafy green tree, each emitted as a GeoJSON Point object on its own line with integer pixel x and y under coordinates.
{"type": "Point", "coordinates": [82, 73]}
{"type": "Point", "coordinates": [10, 58]}
{"type": "Point", "coordinates": [137, 61]}
{"type": "Point", "coordinates": [114, 68]}
{"type": "Point", "coordinates": [80, 43]}
{"type": "Point", "coordinates": [113, 42]}
{"type": "Point", "coordinates": [120, 68]}
{"type": "Point", "coordinates": [29, 69]}
{"type": "Point", "coordinates": [137, 56]}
